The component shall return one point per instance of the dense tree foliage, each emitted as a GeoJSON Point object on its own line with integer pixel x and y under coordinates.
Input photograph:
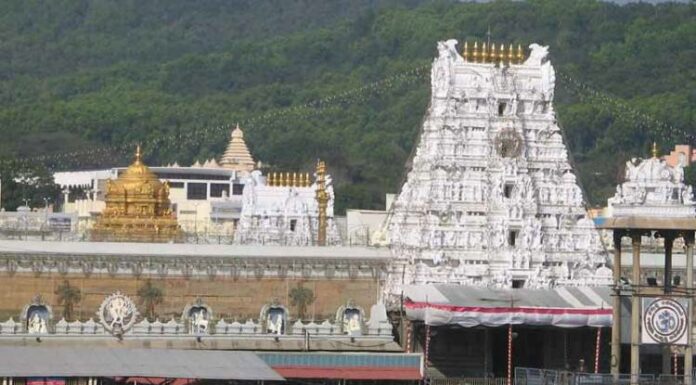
{"type": "Point", "coordinates": [91, 74]}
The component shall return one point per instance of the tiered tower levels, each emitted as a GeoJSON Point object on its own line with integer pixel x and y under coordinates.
{"type": "Point", "coordinates": [491, 198]}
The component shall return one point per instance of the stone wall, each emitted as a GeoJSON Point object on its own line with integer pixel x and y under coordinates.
{"type": "Point", "coordinates": [232, 298]}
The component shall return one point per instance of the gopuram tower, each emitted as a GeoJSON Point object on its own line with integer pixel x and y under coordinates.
{"type": "Point", "coordinates": [491, 198]}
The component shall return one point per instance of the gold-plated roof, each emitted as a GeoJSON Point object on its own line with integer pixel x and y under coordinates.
{"type": "Point", "coordinates": [237, 155]}
{"type": "Point", "coordinates": [137, 208]}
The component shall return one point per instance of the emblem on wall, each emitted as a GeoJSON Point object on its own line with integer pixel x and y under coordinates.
{"type": "Point", "coordinates": [508, 143]}
{"type": "Point", "coordinates": [117, 313]}
{"type": "Point", "coordinates": [665, 321]}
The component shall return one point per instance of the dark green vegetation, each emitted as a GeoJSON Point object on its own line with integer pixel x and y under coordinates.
{"type": "Point", "coordinates": [84, 75]}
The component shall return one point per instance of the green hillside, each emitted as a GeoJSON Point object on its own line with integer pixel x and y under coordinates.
{"type": "Point", "coordinates": [345, 81]}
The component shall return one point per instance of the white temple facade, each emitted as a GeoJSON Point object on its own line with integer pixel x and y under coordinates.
{"type": "Point", "coordinates": [653, 188]}
{"type": "Point", "coordinates": [282, 209]}
{"type": "Point", "coordinates": [491, 198]}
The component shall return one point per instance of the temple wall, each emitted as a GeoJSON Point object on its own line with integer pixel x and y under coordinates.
{"type": "Point", "coordinates": [232, 298]}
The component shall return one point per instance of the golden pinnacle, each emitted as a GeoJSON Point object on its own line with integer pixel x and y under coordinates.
{"type": "Point", "coordinates": [475, 53]}
{"type": "Point", "coordinates": [484, 53]}
{"type": "Point", "coordinates": [492, 54]}
{"type": "Point", "coordinates": [501, 55]}
{"type": "Point", "coordinates": [465, 52]}
{"type": "Point", "coordinates": [520, 54]}
{"type": "Point", "coordinates": [511, 55]}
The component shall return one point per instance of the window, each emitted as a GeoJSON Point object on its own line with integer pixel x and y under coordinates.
{"type": "Point", "coordinates": [237, 189]}
{"type": "Point", "coordinates": [507, 191]}
{"type": "Point", "coordinates": [217, 190]}
{"type": "Point", "coordinates": [293, 224]}
{"type": "Point", "coordinates": [176, 184]}
{"type": "Point", "coordinates": [512, 237]}
{"type": "Point", "coordinates": [517, 283]}
{"type": "Point", "coordinates": [197, 191]}
{"type": "Point", "coordinates": [501, 109]}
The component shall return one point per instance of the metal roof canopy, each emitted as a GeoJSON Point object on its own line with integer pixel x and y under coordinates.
{"type": "Point", "coordinates": [120, 362]}
{"type": "Point", "coordinates": [649, 223]}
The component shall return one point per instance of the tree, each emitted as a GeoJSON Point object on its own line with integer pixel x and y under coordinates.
{"type": "Point", "coordinates": [150, 296]}
{"type": "Point", "coordinates": [68, 296]}
{"type": "Point", "coordinates": [301, 297]}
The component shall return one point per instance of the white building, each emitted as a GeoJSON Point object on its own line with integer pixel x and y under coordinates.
{"type": "Point", "coordinates": [491, 198]}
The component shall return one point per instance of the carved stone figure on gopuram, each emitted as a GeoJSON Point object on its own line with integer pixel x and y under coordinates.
{"type": "Point", "coordinates": [137, 208]}
{"type": "Point", "coordinates": [491, 198]}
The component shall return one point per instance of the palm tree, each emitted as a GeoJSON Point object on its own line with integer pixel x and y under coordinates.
{"type": "Point", "coordinates": [150, 296]}
{"type": "Point", "coordinates": [301, 297]}
{"type": "Point", "coordinates": [68, 296]}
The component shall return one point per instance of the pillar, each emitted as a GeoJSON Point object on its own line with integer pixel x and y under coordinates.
{"type": "Point", "coordinates": [615, 361]}
{"type": "Point", "coordinates": [669, 242]}
{"type": "Point", "coordinates": [635, 309]}
{"type": "Point", "coordinates": [689, 350]}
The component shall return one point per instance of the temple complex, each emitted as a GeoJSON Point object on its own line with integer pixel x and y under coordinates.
{"type": "Point", "coordinates": [491, 198]}
{"type": "Point", "coordinates": [225, 201]}
{"type": "Point", "coordinates": [137, 208]}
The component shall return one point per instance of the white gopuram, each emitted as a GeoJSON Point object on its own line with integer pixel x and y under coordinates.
{"type": "Point", "coordinates": [283, 210]}
{"type": "Point", "coordinates": [652, 188]}
{"type": "Point", "coordinates": [491, 198]}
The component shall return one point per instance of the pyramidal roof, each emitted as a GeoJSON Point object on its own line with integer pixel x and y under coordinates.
{"type": "Point", "coordinates": [237, 155]}
{"type": "Point", "coordinates": [490, 198]}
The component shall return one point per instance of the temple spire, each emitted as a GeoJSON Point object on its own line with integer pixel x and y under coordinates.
{"type": "Point", "coordinates": [654, 151]}
{"type": "Point", "coordinates": [237, 155]}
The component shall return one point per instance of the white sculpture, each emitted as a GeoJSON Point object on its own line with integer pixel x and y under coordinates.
{"type": "Point", "coordinates": [37, 324]}
{"type": "Point", "coordinates": [653, 188]}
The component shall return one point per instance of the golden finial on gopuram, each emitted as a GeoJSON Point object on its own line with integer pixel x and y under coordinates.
{"type": "Point", "coordinates": [138, 154]}
{"type": "Point", "coordinates": [484, 53]}
{"type": "Point", "coordinates": [288, 180]}
{"type": "Point", "coordinates": [501, 55]}
{"type": "Point", "coordinates": [307, 181]}
{"type": "Point", "coordinates": [492, 54]}
{"type": "Point", "coordinates": [465, 51]}
{"type": "Point", "coordinates": [295, 181]}
{"type": "Point", "coordinates": [269, 179]}
{"type": "Point", "coordinates": [520, 54]}
{"type": "Point", "coordinates": [475, 54]}
{"type": "Point", "coordinates": [511, 55]}
{"type": "Point", "coordinates": [654, 151]}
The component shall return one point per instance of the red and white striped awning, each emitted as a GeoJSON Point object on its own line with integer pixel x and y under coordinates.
{"type": "Point", "coordinates": [470, 306]}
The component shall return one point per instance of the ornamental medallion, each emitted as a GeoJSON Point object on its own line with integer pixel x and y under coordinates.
{"type": "Point", "coordinates": [665, 321]}
{"type": "Point", "coordinates": [117, 313]}
{"type": "Point", "coordinates": [508, 143]}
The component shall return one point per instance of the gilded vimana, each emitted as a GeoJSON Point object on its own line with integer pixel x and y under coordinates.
{"type": "Point", "coordinates": [375, 191]}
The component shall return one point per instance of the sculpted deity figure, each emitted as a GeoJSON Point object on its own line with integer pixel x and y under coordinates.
{"type": "Point", "coordinates": [631, 170]}
{"type": "Point", "coordinates": [36, 324]}
{"type": "Point", "coordinates": [688, 195]}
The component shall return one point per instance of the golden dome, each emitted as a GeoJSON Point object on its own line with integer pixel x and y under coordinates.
{"type": "Point", "coordinates": [137, 207]}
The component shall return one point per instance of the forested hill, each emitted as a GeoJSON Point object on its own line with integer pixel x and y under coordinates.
{"type": "Point", "coordinates": [346, 81]}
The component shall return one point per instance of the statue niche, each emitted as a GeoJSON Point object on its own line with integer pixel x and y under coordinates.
{"type": "Point", "coordinates": [275, 318]}
{"type": "Point", "coordinates": [36, 316]}
{"type": "Point", "coordinates": [197, 316]}
{"type": "Point", "coordinates": [351, 319]}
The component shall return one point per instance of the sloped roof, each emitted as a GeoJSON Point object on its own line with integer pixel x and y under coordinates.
{"type": "Point", "coordinates": [120, 362]}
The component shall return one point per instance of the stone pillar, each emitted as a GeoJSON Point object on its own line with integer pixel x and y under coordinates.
{"type": "Point", "coordinates": [689, 350]}
{"type": "Point", "coordinates": [635, 309]}
{"type": "Point", "coordinates": [669, 242]}
{"type": "Point", "coordinates": [615, 361]}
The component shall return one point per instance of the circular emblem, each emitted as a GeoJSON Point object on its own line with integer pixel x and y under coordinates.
{"type": "Point", "coordinates": [665, 321]}
{"type": "Point", "coordinates": [117, 313]}
{"type": "Point", "coordinates": [508, 143]}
